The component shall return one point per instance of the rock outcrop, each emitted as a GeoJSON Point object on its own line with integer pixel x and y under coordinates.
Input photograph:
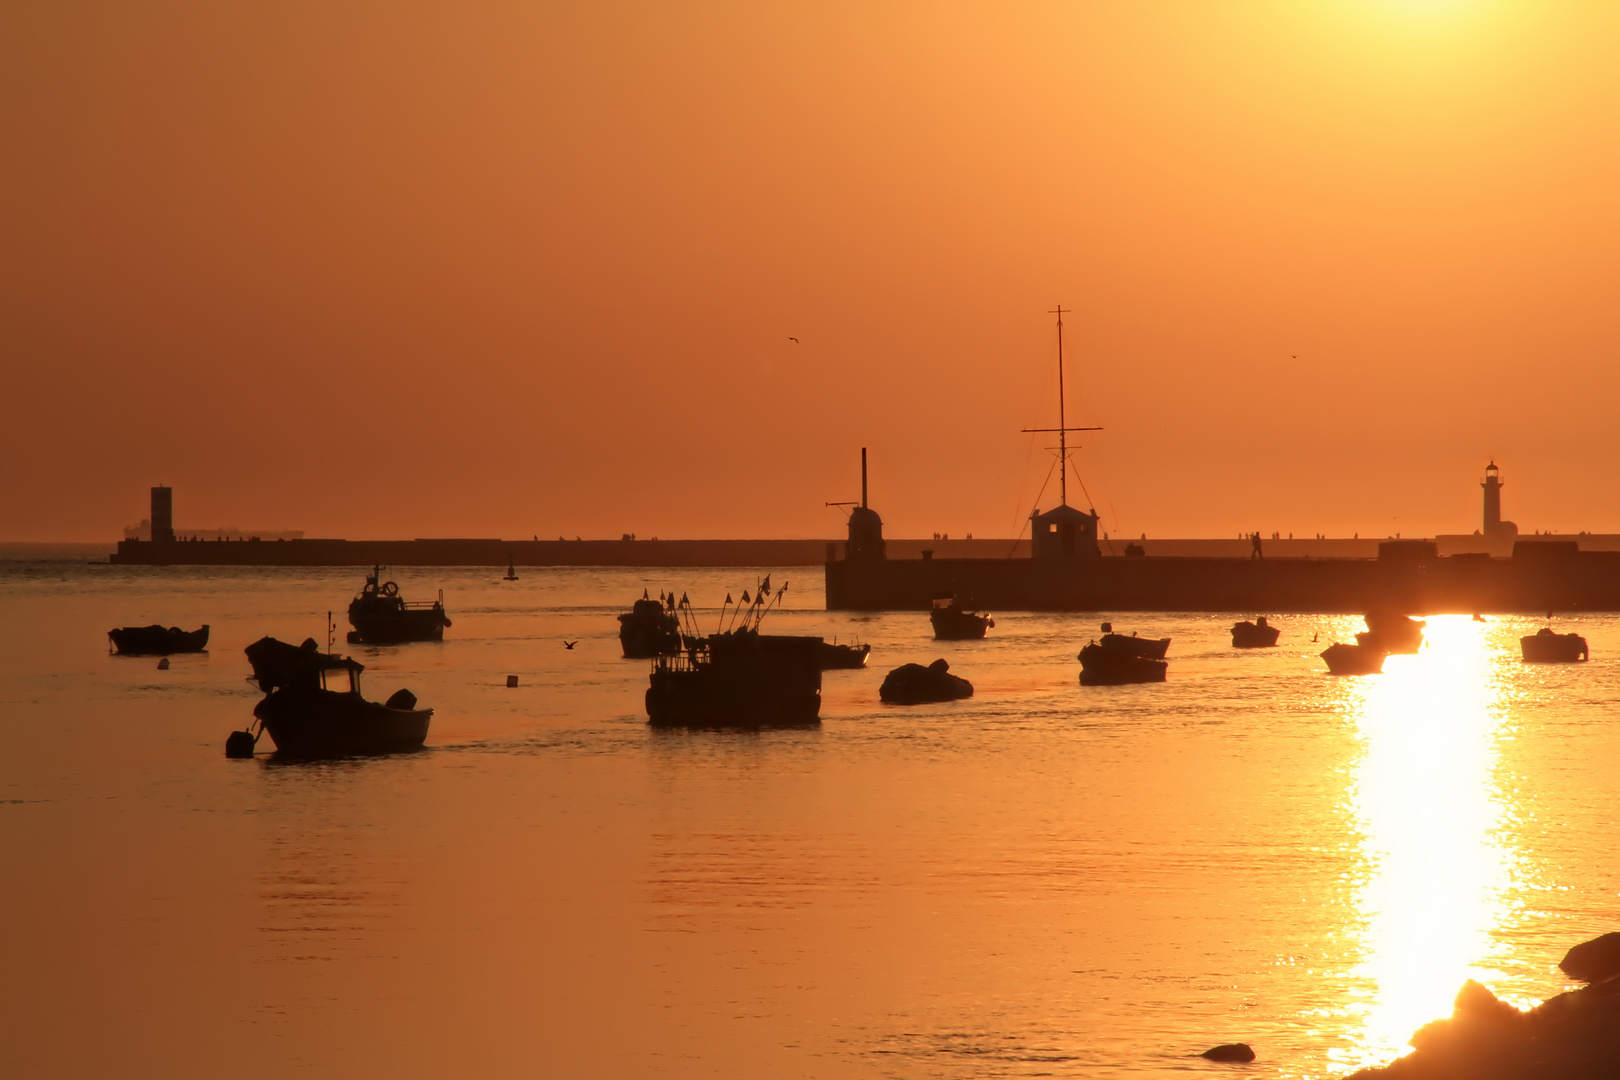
{"type": "Point", "coordinates": [1229, 1052]}
{"type": "Point", "coordinates": [1593, 961]}
{"type": "Point", "coordinates": [1573, 1036]}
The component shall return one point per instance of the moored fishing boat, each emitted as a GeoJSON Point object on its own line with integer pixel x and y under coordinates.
{"type": "Point", "coordinates": [1392, 632]}
{"type": "Point", "coordinates": [833, 656]}
{"type": "Point", "coordinates": [1102, 665]}
{"type": "Point", "coordinates": [1546, 646]}
{"type": "Point", "coordinates": [1343, 659]}
{"type": "Point", "coordinates": [1152, 648]}
{"type": "Point", "coordinates": [306, 718]}
{"type": "Point", "coordinates": [953, 622]}
{"type": "Point", "coordinates": [157, 640]}
{"type": "Point", "coordinates": [380, 616]}
{"type": "Point", "coordinates": [650, 628]}
{"type": "Point", "coordinates": [737, 677]}
{"type": "Point", "coordinates": [1254, 635]}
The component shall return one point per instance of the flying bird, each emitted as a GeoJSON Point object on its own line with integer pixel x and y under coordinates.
{"type": "Point", "coordinates": [794, 340]}
{"type": "Point", "coordinates": [570, 644]}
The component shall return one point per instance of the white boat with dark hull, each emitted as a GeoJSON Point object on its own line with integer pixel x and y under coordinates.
{"type": "Point", "coordinates": [380, 616]}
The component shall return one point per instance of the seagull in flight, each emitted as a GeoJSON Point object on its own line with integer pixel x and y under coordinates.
{"type": "Point", "coordinates": [570, 644]}
{"type": "Point", "coordinates": [794, 340]}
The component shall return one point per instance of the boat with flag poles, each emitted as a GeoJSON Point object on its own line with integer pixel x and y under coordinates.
{"type": "Point", "coordinates": [737, 676]}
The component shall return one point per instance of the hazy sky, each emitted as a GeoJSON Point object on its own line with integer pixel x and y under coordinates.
{"type": "Point", "coordinates": [499, 269]}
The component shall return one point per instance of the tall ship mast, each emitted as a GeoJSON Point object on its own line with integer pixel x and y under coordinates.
{"type": "Point", "coordinates": [1063, 427]}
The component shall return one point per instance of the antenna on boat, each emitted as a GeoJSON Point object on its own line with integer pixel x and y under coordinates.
{"type": "Point", "coordinates": [331, 632]}
{"type": "Point", "coordinates": [1062, 429]}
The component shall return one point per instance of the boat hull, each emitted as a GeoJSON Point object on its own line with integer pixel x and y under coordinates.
{"type": "Point", "coordinates": [842, 657]}
{"type": "Point", "coordinates": [1549, 648]}
{"type": "Point", "coordinates": [952, 625]}
{"type": "Point", "coordinates": [157, 640]}
{"type": "Point", "coordinates": [325, 723]}
{"type": "Point", "coordinates": [1115, 667]}
{"type": "Point", "coordinates": [397, 628]}
{"type": "Point", "coordinates": [1354, 659]}
{"type": "Point", "coordinates": [1248, 635]}
{"type": "Point", "coordinates": [747, 680]}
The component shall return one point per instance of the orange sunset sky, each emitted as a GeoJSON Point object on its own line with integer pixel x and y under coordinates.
{"type": "Point", "coordinates": [400, 269]}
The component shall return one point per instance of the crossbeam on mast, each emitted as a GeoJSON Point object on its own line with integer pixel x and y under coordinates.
{"type": "Point", "coordinates": [1063, 427]}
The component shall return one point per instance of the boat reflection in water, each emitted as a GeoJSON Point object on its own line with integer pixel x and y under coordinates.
{"type": "Point", "coordinates": [1429, 810]}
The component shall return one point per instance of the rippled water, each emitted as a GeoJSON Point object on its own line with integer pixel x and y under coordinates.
{"type": "Point", "coordinates": [1043, 880]}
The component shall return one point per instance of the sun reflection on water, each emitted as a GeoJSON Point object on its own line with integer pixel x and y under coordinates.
{"type": "Point", "coordinates": [1429, 811]}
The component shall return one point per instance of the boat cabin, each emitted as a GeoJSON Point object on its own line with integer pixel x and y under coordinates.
{"type": "Point", "coordinates": [278, 665]}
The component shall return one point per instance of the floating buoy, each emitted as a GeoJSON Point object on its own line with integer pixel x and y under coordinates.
{"type": "Point", "coordinates": [240, 744]}
{"type": "Point", "coordinates": [511, 680]}
{"type": "Point", "coordinates": [163, 664]}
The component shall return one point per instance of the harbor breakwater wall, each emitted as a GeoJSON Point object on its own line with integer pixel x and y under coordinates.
{"type": "Point", "coordinates": [800, 552]}
{"type": "Point", "coordinates": [1537, 578]}
{"type": "Point", "coordinates": [471, 552]}
{"type": "Point", "coordinates": [490, 552]}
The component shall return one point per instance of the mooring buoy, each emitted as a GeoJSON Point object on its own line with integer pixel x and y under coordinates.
{"type": "Point", "coordinates": [240, 744]}
{"type": "Point", "coordinates": [163, 664]}
{"type": "Point", "coordinates": [511, 680]}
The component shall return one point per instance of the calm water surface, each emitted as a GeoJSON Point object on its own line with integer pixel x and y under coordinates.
{"type": "Point", "coordinates": [1046, 880]}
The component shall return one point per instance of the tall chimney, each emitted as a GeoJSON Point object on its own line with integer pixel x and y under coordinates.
{"type": "Point", "coordinates": [163, 515]}
{"type": "Point", "coordinates": [863, 476]}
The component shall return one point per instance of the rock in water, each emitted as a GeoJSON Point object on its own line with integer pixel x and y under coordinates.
{"type": "Point", "coordinates": [913, 684]}
{"type": "Point", "coordinates": [1593, 961]}
{"type": "Point", "coordinates": [1568, 1037]}
{"type": "Point", "coordinates": [1229, 1052]}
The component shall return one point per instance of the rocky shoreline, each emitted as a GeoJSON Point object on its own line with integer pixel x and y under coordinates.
{"type": "Point", "coordinates": [1573, 1036]}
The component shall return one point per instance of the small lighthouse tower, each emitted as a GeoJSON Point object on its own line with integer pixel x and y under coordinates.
{"type": "Point", "coordinates": [1495, 528]}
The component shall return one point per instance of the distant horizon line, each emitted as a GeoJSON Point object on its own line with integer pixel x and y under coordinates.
{"type": "Point", "coordinates": [112, 545]}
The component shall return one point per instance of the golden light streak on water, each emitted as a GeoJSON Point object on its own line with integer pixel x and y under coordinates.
{"type": "Point", "coordinates": [1429, 811]}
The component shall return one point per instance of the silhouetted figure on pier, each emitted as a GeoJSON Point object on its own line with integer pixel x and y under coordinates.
{"type": "Point", "coordinates": [1254, 540]}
